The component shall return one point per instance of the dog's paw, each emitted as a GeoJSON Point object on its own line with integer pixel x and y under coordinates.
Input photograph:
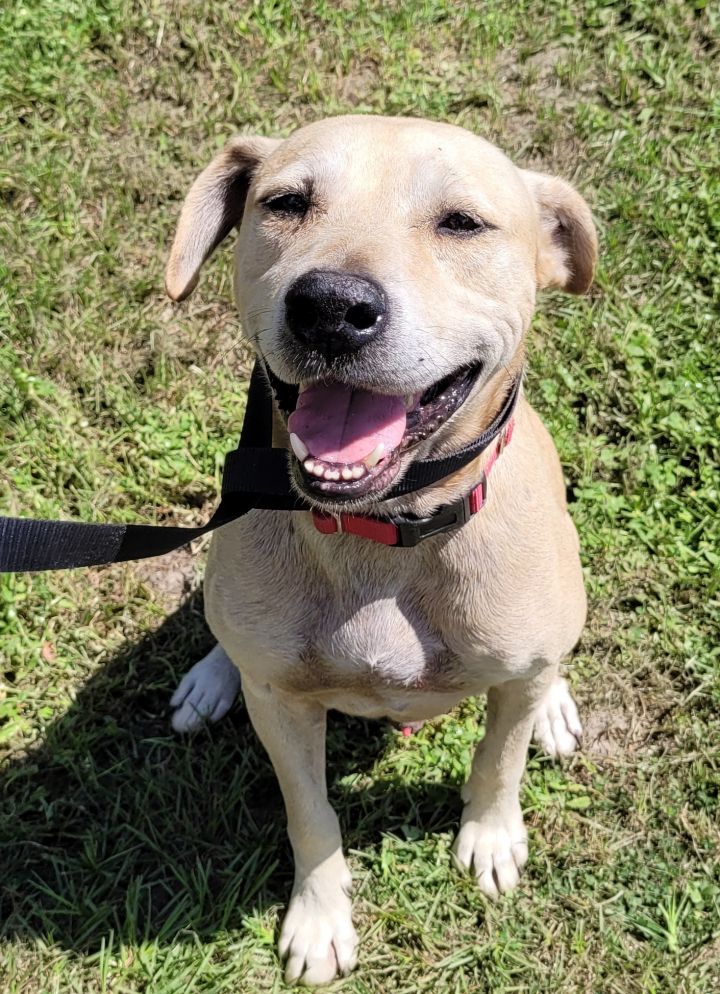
{"type": "Point", "coordinates": [317, 939]}
{"type": "Point", "coordinates": [557, 725]}
{"type": "Point", "coordinates": [206, 692]}
{"type": "Point", "coordinates": [493, 848]}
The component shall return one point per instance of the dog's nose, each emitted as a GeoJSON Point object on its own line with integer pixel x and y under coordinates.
{"type": "Point", "coordinates": [336, 313]}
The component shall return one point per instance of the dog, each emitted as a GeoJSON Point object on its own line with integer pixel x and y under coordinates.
{"type": "Point", "coordinates": [386, 272]}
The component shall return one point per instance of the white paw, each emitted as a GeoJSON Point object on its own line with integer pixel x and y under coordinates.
{"type": "Point", "coordinates": [557, 726]}
{"type": "Point", "coordinates": [317, 939]}
{"type": "Point", "coordinates": [206, 692]}
{"type": "Point", "coordinates": [493, 848]}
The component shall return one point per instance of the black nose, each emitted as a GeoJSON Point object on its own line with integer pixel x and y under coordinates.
{"type": "Point", "coordinates": [336, 313]}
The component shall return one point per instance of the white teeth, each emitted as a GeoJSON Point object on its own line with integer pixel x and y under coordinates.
{"type": "Point", "coordinates": [324, 472]}
{"type": "Point", "coordinates": [375, 456]}
{"type": "Point", "coordinates": [299, 448]}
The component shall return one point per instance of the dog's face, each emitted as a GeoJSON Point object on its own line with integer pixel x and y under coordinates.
{"type": "Point", "coordinates": [386, 270]}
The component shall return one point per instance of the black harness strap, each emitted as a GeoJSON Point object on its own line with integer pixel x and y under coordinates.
{"type": "Point", "coordinates": [255, 476]}
{"type": "Point", "coordinates": [256, 431]}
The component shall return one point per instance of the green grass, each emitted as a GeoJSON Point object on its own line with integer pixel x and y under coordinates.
{"type": "Point", "coordinates": [131, 861]}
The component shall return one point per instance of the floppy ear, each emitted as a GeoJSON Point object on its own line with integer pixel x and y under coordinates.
{"type": "Point", "coordinates": [212, 208]}
{"type": "Point", "coordinates": [568, 247]}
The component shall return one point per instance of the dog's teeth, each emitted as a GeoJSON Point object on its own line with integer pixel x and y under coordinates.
{"type": "Point", "coordinates": [375, 456]}
{"type": "Point", "coordinates": [298, 446]}
{"type": "Point", "coordinates": [325, 472]}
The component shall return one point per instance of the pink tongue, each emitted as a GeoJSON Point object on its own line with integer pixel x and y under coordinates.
{"type": "Point", "coordinates": [342, 425]}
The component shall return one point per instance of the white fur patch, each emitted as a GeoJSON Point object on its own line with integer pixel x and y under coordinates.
{"type": "Point", "coordinates": [206, 692]}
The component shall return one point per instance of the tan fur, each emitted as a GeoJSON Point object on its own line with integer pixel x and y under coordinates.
{"type": "Point", "coordinates": [316, 622]}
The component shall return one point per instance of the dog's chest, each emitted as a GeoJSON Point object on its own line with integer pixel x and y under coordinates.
{"type": "Point", "coordinates": [374, 636]}
{"type": "Point", "coordinates": [379, 646]}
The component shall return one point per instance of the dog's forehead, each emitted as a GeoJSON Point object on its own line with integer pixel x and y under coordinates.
{"type": "Point", "coordinates": [372, 155]}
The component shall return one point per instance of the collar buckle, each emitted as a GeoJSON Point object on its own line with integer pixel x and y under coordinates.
{"type": "Point", "coordinates": [445, 519]}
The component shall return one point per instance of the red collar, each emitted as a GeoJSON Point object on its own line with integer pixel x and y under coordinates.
{"type": "Point", "coordinates": [405, 532]}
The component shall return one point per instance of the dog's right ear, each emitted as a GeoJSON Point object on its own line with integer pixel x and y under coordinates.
{"type": "Point", "coordinates": [212, 208]}
{"type": "Point", "coordinates": [568, 246]}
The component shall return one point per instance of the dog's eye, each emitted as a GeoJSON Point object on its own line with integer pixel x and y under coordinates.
{"type": "Point", "coordinates": [459, 223]}
{"type": "Point", "coordinates": [288, 203]}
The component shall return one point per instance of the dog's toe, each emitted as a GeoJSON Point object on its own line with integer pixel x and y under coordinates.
{"type": "Point", "coordinates": [557, 724]}
{"type": "Point", "coordinates": [313, 966]}
{"type": "Point", "coordinates": [191, 714]}
{"type": "Point", "coordinates": [183, 689]}
{"type": "Point", "coordinates": [206, 692]}
{"type": "Point", "coordinates": [318, 940]}
{"type": "Point", "coordinates": [493, 849]}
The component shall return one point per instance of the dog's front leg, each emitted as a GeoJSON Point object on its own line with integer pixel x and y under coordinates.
{"type": "Point", "coordinates": [317, 939]}
{"type": "Point", "coordinates": [492, 841]}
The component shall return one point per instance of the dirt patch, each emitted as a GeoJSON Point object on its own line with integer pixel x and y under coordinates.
{"type": "Point", "coordinates": [628, 722]}
{"type": "Point", "coordinates": [607, 732]}
{"type": "Point", "coordinates": [358, 84]}
{"type": "Point", "coordinates": [545, 60]}
{"type": "Point", "coordinates": [538, 128]}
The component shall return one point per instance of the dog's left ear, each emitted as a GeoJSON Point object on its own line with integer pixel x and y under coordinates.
{"type": "Point", "coordinates": [212, 208]}
{"type": "Point", "coordinates": [568, 247]}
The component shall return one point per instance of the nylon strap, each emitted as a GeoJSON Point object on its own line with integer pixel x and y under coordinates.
{"type": "Point", "coordinates": [255, 476]}
{"type": "Point", "coordinates": [29, 544]}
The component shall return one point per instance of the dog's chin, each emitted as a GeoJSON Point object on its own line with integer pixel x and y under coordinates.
{"type": "Point", "coordinates": [340, 485]}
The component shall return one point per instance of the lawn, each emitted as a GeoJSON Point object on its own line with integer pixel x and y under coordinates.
{"type": "Point", "coordinates": [133, 861]}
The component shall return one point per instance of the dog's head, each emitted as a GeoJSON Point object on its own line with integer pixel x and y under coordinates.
{"type": "Point", "coordinates": [386, 271]}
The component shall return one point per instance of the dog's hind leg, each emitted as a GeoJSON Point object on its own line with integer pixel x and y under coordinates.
{"type": "Point", "coordinates": [206, 692]}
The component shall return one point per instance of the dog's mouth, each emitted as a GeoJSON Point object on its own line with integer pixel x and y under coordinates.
{"type": "Point", "coordinates": [348, 442]}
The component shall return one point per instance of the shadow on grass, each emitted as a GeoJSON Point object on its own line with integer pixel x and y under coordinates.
{"type": "Point", "coordinates": [113, 823]}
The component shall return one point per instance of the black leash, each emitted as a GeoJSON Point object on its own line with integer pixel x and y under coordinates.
{"type": "Point", "coordinates": [255, 476]}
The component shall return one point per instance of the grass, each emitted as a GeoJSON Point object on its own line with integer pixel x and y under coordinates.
{"type": "Point", "coordinates": [136, 862]}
